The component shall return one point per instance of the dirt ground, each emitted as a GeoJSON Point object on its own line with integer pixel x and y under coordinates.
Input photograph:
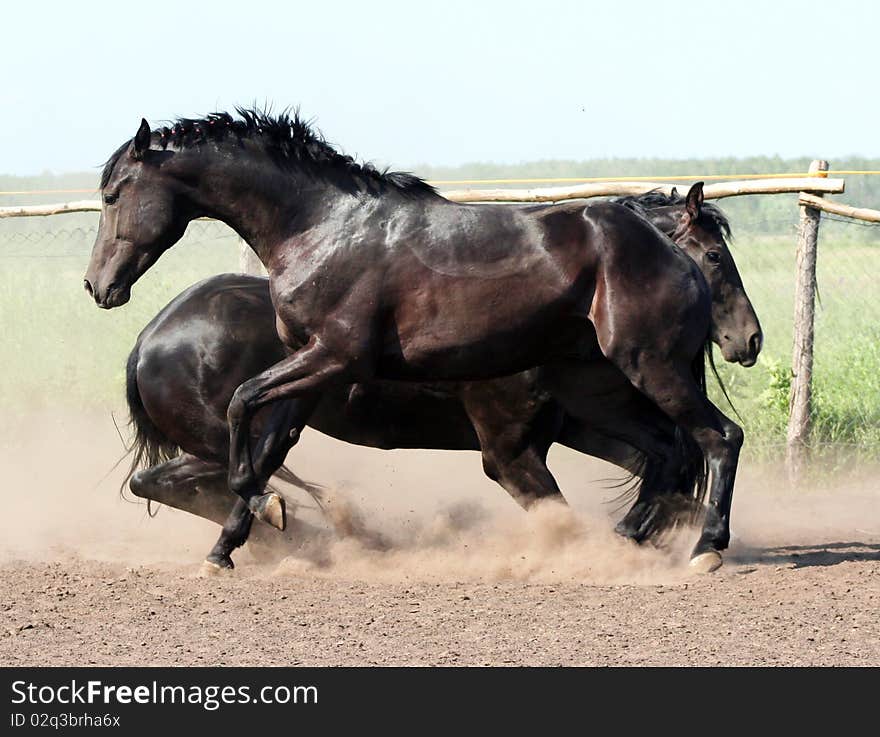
{"type": "Point", "coordinates": [450, 572]}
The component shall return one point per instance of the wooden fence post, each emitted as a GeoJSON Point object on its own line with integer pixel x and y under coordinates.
{"type": "Point", "coordinates": [248, 263]}
{"type": "Point", "coordinates": [800, 404]}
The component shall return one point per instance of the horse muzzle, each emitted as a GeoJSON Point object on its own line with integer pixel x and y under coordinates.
{"type": "Point", "coordinates": [114, 296]}
{"type": "Point", "coordinates": [743, 352]}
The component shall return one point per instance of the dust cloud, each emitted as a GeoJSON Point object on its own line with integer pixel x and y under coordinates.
{"type": "Point", "coordinates": [405, 515]}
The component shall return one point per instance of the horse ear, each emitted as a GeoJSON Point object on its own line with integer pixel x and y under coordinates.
{"type": "Point", "coordinates": [141, 140]}
{"type": "Point", "coordinates": [694, 201]}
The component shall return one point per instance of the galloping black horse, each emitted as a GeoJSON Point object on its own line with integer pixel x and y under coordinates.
{"type": "Point", "coordinates": [375, 276]}
{"type": "Point", "coordinates": [190, 358]}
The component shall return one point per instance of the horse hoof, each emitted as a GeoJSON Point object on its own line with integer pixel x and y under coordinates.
{"type": "Point", "coordinates": [270, 509]}
{"type": "Point", "coordinates": [706, 562]}
{"type": "Point", "coordinates": [630, 532]}
{"type": "Point", "coordinates": [209, 569]}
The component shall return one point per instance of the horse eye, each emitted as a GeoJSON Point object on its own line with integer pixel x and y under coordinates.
{"type": "Point", "coordinates": [110, 199]}
{"type": "Point", "coordinates": [713, 257]}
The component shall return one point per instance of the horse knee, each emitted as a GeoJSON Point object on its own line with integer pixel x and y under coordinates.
{"type": "Point", "coordinates": [730, 441]}
{"type": "Point", "coordinates": [238, 405]}
{"type": "Point", "coordinates": [239, 480]}
{"type": "Point", "coordinates": [722, 442]}
{"type": "Point", "coordinates": [735, 435]}
{"type": "Point", "coordinates": [235, 410]}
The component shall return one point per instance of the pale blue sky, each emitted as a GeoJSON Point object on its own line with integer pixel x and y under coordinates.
{"type": "Point", "coordinates": [450, 82]}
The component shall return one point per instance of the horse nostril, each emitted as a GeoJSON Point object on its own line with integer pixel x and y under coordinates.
{"type": "Point", "coordinates": [755, 344]}
{"type": "Point", "coordinates": [88, 287]}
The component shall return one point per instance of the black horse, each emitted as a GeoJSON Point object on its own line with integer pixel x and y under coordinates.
{"type": "Point", "coordinates": [376, 276]}
{"type": "Point", "coordinates": [188, 361]}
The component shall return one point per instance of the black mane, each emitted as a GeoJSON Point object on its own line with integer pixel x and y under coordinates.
{"type": "Point", "coordinates": [655, 198]}
{"type": "Point", "coordinates": [290, 141]}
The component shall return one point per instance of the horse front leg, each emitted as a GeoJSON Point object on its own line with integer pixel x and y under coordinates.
{"type": "Point", "coordinates": [278, 435]}
{"type": "Point", "coordinates": [199, 487]}
{"type": "Point", "coordinates": [296, 377]}
{"type": "Point", "coordinates": [236, 529]}
{"type": "Point", "coordinates": [189, 484]}
{"type": "Point", "coordinates": [676, 392]}
{"type": "Point", "coordinates": [644, 518]}
{"type": "Point", "coordinates": [723, 459]}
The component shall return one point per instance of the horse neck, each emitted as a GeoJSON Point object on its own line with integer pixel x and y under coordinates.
{"type": "Point", "coordinates": [254, 196]}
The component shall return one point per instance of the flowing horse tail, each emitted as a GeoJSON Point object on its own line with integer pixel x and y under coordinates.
{"type": "Point", "coordinates": [316, 491]}
{"type": "Point", "coordinates": [149, 446]}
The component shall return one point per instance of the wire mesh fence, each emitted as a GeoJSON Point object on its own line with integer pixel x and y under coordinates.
{"type": "Point", "coordinates": [846, 373]}
{"type": "Point", "coordinates": [58, 348]}
{"type": "Point", "coordinates": [57, 238]}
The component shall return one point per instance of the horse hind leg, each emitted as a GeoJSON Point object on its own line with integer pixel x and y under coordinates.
{"type": "Point", "coordinates": [514, 447]}
{"type": "Point", "coordinates": [524, 476]}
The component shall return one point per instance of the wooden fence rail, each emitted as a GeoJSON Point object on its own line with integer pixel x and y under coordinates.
{"type": "Point", "coordinates": [545, 194]}
{"type": "Point", "coordinates": [59, 208]}
{"type": "Point", "coordinates": [838, 208]}
{"type": "Point", "coordinates": [620, 189]}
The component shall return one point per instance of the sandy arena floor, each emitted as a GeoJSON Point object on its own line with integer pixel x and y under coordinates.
{"type": "Point", "coordinates": [464, 578]}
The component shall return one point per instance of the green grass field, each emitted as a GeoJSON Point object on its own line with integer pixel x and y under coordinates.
{"type": "Point", "coordinates": [846, 374]}
{"type": "Point", "coordinates": [58, 348]}
{"type": "Point", "coordinates": [60, 351]}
